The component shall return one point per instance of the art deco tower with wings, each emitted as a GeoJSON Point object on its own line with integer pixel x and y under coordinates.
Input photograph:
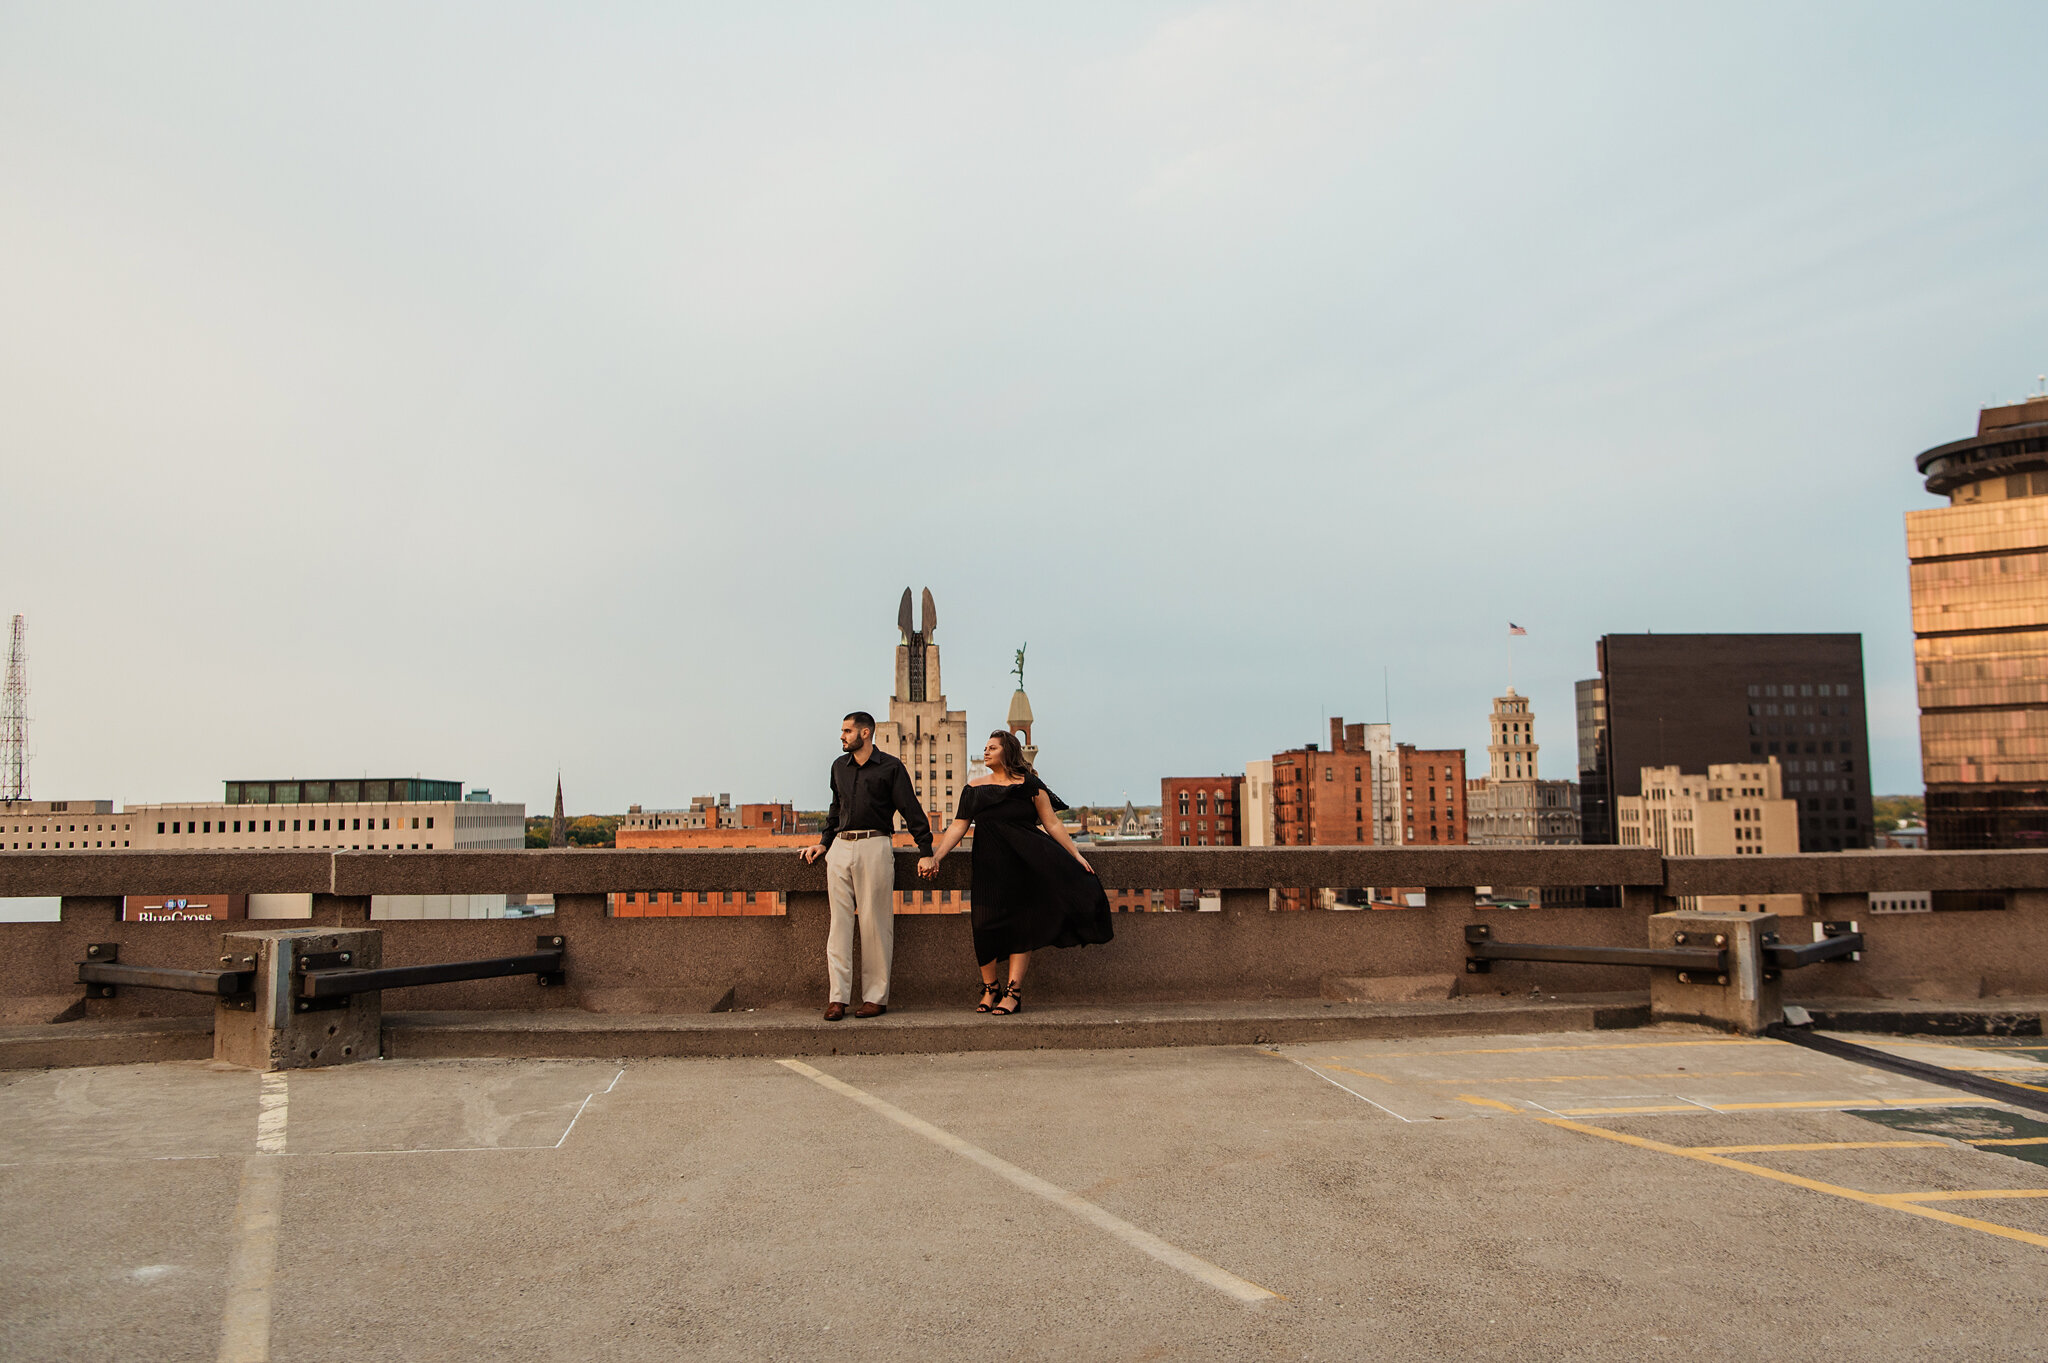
{"type": "Point", "coordinates": [930, 739]}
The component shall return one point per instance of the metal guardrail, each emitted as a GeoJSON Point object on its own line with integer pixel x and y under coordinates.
{"type": "Point", "coordinates": [321, 979]}
{"type": "Point", "coordinates": [1831, 942]}
{"type": "Point", "coordinates": [1483, 951]}
{"type": "Point", "coordinates": [1834, 941]}
{"type": "Point", "coordinates": [102, 972]}
{"type": "Point", "coordinates": [326, 979]}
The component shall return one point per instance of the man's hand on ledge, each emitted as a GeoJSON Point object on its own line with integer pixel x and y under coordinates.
{"type": "Point", "coordinates": [812, 853]}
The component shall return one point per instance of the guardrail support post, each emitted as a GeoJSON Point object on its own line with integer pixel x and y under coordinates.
{"type": "Point", "coordinates": [1745, 999]}
{"type": "Point", "coordinates": [273, 1029]}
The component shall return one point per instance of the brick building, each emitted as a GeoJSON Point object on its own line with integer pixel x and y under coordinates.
{"type": "Point", "coordinates": [1336, 797]}
{"type": "Point", "coordinates": [1432, 795]}
{"type": "Point", "coordinates": [1201, 811]}
{"type": "Point", "coordinates": [660, 903]}
{"type": "Point", "coordinates": [708, 812]}
{"type": "Point", "coordinates": [1325, 798]}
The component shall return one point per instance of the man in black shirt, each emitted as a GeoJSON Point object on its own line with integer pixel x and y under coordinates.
{"type": "Point", "coordinates": [869, 789]}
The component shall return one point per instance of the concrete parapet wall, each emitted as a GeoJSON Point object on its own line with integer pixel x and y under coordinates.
{"type": "Point", "coordinates": [1245, 952]}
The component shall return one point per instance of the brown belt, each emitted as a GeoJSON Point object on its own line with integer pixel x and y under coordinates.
{"type": "Point", "coordinates": [853, 833]}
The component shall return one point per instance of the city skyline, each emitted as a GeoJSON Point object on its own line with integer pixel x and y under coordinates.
{"type": "Point", "coordinates": [430, 423]}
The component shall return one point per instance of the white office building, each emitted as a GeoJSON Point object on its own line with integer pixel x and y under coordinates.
{"type": "Point", "coordinates": [354, 815]}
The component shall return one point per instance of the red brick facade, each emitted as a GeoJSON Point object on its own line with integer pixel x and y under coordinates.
{"type": "Point", "coordinates": [1433, 807]}
{"type": "Point", "coordinates": [1200, 811]}
{"type": "Point", "coordinates": [1324, 799]}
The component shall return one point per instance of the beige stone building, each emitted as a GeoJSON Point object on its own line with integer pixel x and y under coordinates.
{"type": "Point", "coordinates": [1255, 809]}
{"type": "Point", "coordinates": [920, 731]}
{"type": "Point", "coordinates": [1736, 809]}
{"type": "Point", "coordinates": [1512, 807]}
{"type": "Point", "coordinates": [62, 825]}
{"type": "Point", "coordinates": [356, 815]}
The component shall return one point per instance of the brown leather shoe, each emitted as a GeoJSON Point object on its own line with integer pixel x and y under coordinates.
{"type": "Point", "coordinates": [871, 1010]}
{"type": "Point", "coordinates": [834, 1011]}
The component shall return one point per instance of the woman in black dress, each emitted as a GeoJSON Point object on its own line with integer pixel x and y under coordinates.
{"type": "Point", "coordinates": [1032, 887]}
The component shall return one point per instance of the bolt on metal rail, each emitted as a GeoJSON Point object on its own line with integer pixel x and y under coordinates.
{"type": "Point", "coordinates": [319, 979]}
{"type": "Point", "coordinates": [1706, 959]}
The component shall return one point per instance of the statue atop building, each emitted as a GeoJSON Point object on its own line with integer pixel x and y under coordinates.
{"type": "Point", "coordinates": [1019, 722]}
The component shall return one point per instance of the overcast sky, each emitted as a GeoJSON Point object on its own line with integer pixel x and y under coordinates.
{"type": "Point", "coordinates": [476, 390]}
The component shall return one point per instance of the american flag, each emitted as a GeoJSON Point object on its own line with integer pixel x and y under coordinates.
{"type": "Point", "coordinates": [1514, 628]}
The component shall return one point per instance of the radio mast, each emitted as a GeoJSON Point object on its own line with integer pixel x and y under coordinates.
{"type": "Point", "coordinates": [14, 718]}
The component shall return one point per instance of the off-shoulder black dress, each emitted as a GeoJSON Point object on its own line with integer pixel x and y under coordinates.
{"type": "Point", "coordinates": [1028, 891]}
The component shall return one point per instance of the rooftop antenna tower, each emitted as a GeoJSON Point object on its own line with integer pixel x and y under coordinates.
{"type": "Point", "coordinates": [14, 717]}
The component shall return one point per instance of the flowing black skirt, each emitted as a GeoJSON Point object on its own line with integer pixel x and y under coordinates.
{"type": "Point", "coordinates": [1030, 893]}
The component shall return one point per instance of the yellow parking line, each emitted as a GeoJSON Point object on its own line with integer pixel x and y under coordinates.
{"type": "Point", "coordinates": [1362, 1074]}
{"type": "Point", "coordinates": [1813, 1145]}
{"type": "Point", "coordinates": [1888, 1201]}
{"type": "Point", "coordinates": [1969, 1196]}
{"type": "Point", "coordinates": [1703, 1106]}
{"type": "Point", "coordinates": [2007, 1140]}
{"type": "Point", "coordinates": [1674, 1074]}
{"type": "Point", "coordinates": [1627, 1111]}
{"type": "Point", "coordinates": [1591, 1046]}
{"type": "Point", "coordinates": [1487, 1102]}
{"type": "Point", "coordinates": [1838, 1102]}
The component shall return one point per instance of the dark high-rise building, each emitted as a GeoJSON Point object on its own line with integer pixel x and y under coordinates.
{"type": "Point", "coordinates": [1696, 700]}
{"type": "Point", "coordinates": [1980, 632]}
{"type": "Point", "coordinates": [1596, 801]}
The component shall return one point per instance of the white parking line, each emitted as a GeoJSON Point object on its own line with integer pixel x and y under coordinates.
{"type": "Point", "coordinates": [1346, 1087]}
{"type": "Point", "coordinates": [270, 1115]}
{"type": "Point", "coordinates": [245, 1320]}
{"type": "Point", "coordinates": [1248, 1293]}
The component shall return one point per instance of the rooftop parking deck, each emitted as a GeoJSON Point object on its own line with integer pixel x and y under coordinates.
{"type": "Point", "coordinates": [1657, 1193]}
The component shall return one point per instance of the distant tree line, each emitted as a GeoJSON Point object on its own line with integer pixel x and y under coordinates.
{"type": "Point", "coordinates": [1890, 811]}
{"type": "Point", "coordinates": [585, 830]}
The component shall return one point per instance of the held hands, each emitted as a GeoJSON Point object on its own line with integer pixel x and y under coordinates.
{"type": "Point", "coordinates": [812, 853]}
{"type": "Point", "coordinates": [927, 867]}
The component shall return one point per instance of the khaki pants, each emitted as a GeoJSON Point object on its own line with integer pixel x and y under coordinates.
{"type": "Point", "coordinates": [860, 877]}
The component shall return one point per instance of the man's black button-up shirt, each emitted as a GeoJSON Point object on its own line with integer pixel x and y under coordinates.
{"type": "Point", "coordinates": [869, 795]}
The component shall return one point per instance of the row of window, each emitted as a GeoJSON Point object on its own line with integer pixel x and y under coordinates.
{"type": "Point", "coordinates": [1796, 711]}
{"type": "Point", "coordinates": [1805, 690]}
{"type": "Point", "coordinates": [1758, 749]}
{"type": "Point", "coordinates": [185, 827]}
{"type": "Point", "coordinates": [62, 846]}
{"type": "Point", "coordinates": [1803, 787]}
{"type": "Point", "coordinates": [1758, 727]}
{"type": "Point", "coordinates": [33, 829]}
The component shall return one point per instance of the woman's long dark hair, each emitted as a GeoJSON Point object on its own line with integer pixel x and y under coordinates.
{"type": "Point", "coordinates": [1013, 753]}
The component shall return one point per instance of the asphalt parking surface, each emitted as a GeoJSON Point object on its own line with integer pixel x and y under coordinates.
{"type": "Point", "coordinates": [1663, 1193]}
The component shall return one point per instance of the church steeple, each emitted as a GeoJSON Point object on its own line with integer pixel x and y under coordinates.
{"type": "Point", "coordinates": [558, 834]}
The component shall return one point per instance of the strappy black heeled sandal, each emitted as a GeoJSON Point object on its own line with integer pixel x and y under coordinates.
{"type": "Point", "coordinates": [1014, 995]}
{"type": "Point", "coordinates": [990, 988]}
